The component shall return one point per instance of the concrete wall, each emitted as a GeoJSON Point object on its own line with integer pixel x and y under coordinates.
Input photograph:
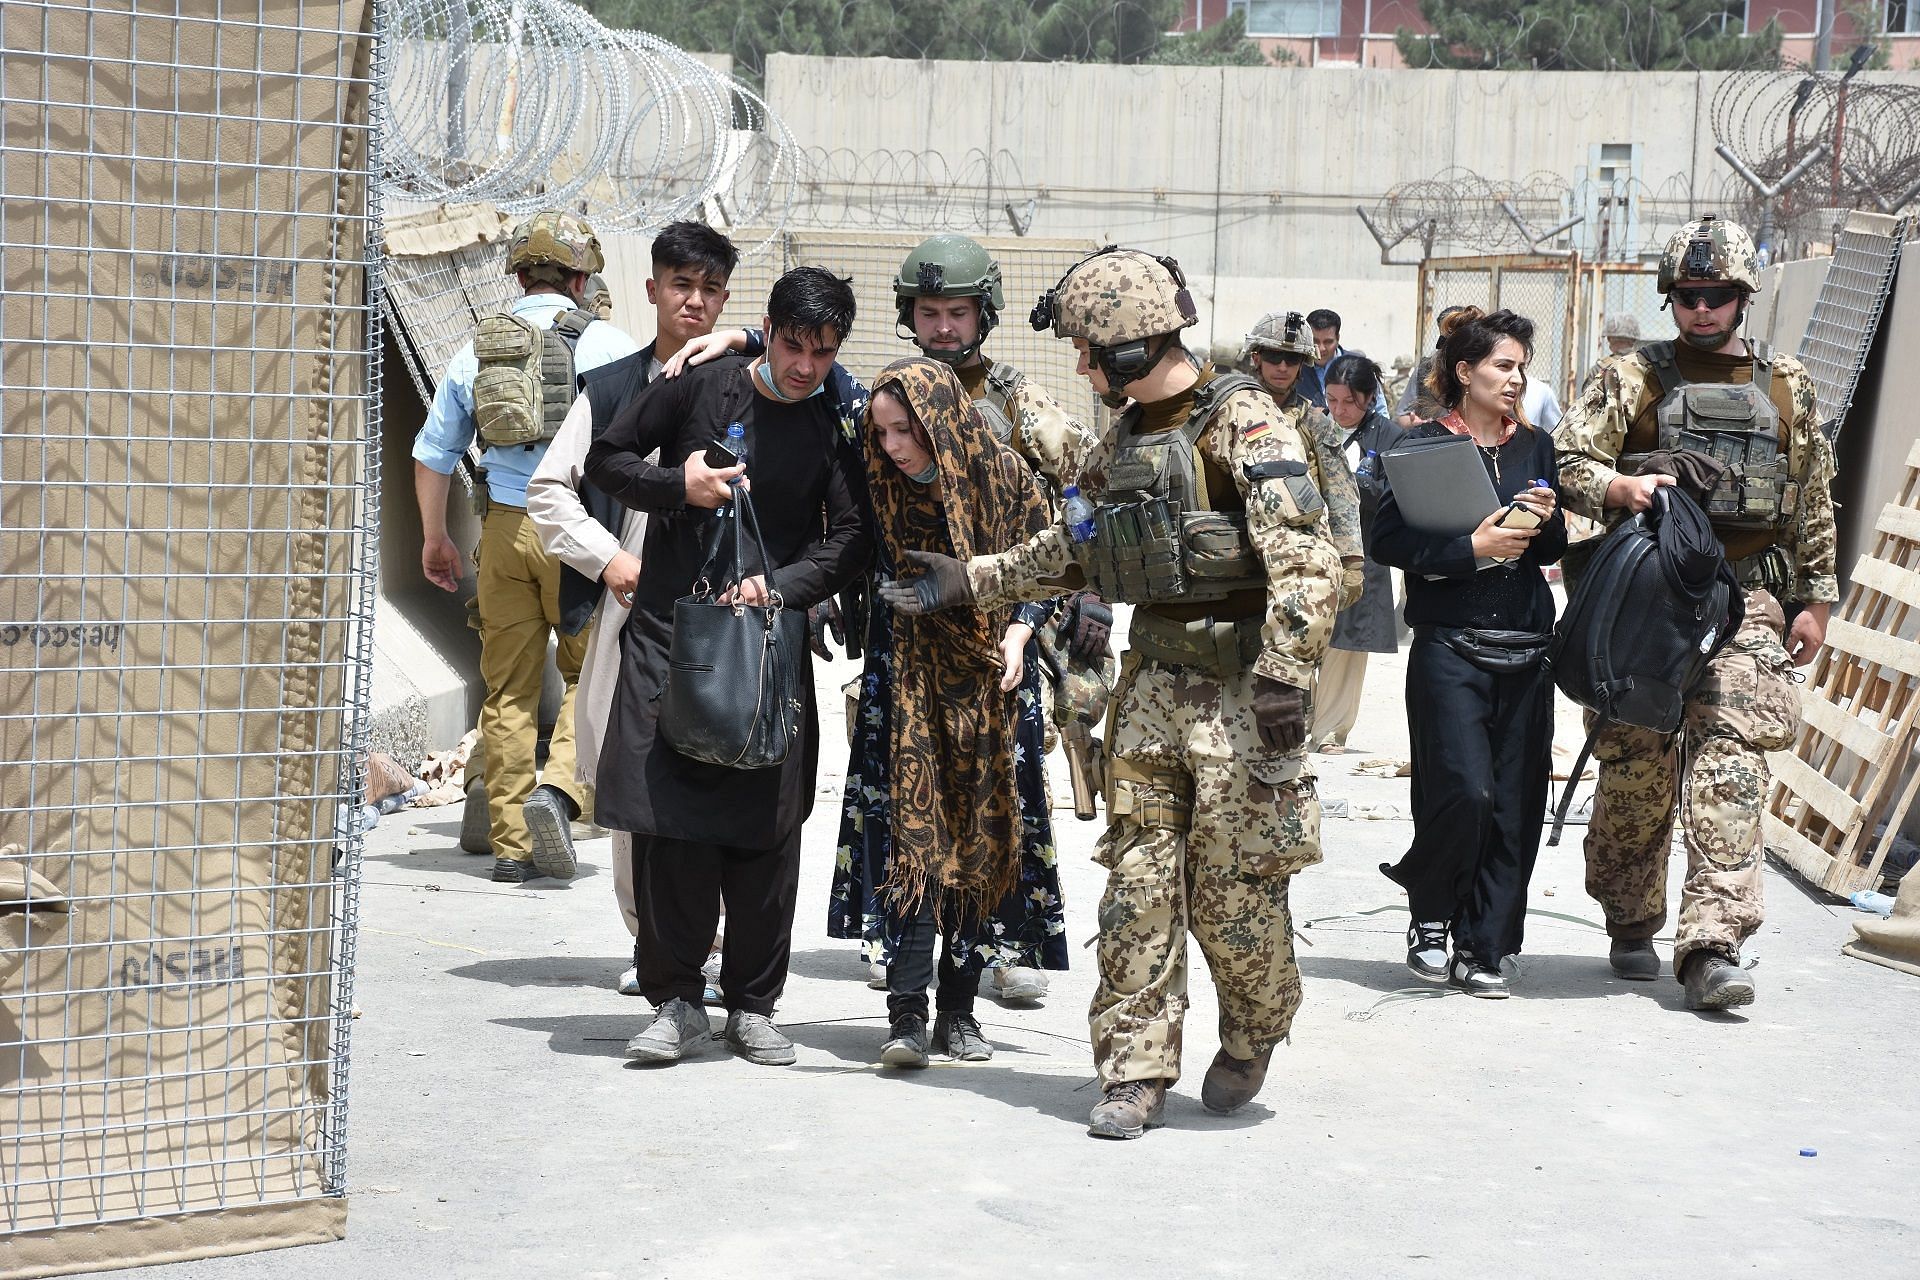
{"type": "Point", "coordinates": [1249, 175]}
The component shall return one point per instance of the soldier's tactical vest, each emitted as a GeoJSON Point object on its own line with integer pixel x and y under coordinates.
{"type": "Point", "coordinates": [1740, 425]}
{"type": "Point", "coordinates": [1158, 535]}
{"type": "Point", "coordinates": [996, 399]}
{"type": "Point", "coordinates": [525, 384]}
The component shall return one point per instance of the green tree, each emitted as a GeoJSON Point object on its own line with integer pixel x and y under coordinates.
{"type": "Point", "coordinates": [988, 30]}
{"type": "Point", "coordinates": [1576, 35]}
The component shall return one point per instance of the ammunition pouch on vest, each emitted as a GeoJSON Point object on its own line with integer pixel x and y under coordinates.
{"type": "Point", "coordinates": [1737, 424]}
{"type": "Point", "coordinates": [525, 384]}
{"type": "Point", "coordinates": [1219, 649]}
{"type": "Point", "coordinates": [1157, 535]}
{"type": "Point", "coordinates": [1767, 570]}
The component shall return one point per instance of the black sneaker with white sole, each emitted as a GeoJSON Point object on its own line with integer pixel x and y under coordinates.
{"type": "Point", "coordinates": [1476, 978]}
{"type": "Point", "coordinates": [1427, 950]}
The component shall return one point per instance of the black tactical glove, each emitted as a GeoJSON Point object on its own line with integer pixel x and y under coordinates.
{"type": "Point", "coordinates": [1280, 714]}
{"type": "Point", "coordinates": [941, 583]}
{"type": "Point", "coordinates": [1698, 473]}
{"type": "Point", "coordinates": [1092, 629]}
{"type": "Point", "coordinates": [823, 620]}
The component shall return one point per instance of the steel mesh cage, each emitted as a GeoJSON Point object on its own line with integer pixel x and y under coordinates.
{"type": "Point", "coordinates": [188, 503]}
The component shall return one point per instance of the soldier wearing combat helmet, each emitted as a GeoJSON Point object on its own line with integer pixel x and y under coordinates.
{"type": "Point", "coordinates": [511, 387]}
{"type": "Point", "coordinates": [1277, 349]}
{"type": "Point", "coordinates": [1739, 424]}
{"type": "Point", "coordinates": [1208, 517]}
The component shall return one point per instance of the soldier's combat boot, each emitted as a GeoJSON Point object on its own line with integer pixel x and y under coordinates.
{"type": "Point", "coordinates": [1715, 982]}
{"type": "Point", "coordinates": [1232, 1082]}
{"type": "Point", "coordinates": [1128, 1109]}
{"type": "Point", "coordinates": [1634, 959]}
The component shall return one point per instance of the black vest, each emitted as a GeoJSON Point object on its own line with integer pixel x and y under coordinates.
{"type": "Point", "coordinates": [607, 389]}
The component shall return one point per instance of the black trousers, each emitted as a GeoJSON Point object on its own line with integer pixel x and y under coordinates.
{"type": "Point", "coordinates": [912, 970]}
{"type": "Point", "coordinates": [678, 886]}
{"type": "Point", "coordinates": [1482, 754]}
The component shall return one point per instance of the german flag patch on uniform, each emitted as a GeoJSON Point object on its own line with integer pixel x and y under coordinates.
{"type": "Point", "coordinates": [1257, 430]}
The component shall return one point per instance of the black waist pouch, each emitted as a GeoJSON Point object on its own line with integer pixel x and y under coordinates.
{"type": "Point", "coordinates": [1500, 653]}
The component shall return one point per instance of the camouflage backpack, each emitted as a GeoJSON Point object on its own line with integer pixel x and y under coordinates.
{"type": "Point", "coordinates": [525, 384]}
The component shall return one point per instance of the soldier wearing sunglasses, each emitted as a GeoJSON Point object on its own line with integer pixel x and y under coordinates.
{"type": "Point", "coordinates": [1739, 423]}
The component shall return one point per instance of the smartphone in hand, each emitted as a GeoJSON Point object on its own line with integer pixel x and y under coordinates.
{"type": "Point", "coordinates": [719, 456]}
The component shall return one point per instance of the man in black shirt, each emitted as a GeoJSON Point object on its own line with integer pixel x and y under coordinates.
{"type": "Point", "coordinates": [703, 830]}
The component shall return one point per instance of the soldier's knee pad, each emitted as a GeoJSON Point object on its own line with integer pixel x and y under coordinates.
{"type": "Point", "coordinates": [1155, 798]}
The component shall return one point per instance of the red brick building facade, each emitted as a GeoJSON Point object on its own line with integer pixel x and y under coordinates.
{"type": "Point", "coordinates": [1360, 32]}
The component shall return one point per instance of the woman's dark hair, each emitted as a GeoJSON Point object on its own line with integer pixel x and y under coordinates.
{"type": "Point", "coordinates": [1357, 374]}
{"type": "Point", "coordinates": [696, 245]}
{"type": "Point", "coordinates": [1471, 335]}
{"type": "Point", "coordinates": [811, 300]}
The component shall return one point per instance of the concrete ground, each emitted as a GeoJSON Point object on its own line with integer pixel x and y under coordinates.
{"type": "Point", "coordinates": [1588, 1127]}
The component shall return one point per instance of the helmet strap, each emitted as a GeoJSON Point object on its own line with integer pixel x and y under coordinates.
{"type": "Point", "coordinates": [958, 358]}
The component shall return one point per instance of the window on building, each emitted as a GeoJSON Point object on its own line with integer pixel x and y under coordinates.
{"type": "Point", "coordinates": [1289, 17]}
{"type": "Point", "coordinates": [1903, 17]}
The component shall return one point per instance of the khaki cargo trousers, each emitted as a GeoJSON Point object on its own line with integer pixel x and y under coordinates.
{"type": "Point", "coordinates": [519, 606]}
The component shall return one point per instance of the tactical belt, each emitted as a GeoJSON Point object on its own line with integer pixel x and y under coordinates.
{"type": "Point", "coordinates": [1221, 649]}
{"type": "Point", "coordinates": [1767, 570]}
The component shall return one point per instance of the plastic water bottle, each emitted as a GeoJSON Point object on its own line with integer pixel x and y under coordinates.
{"type": "Point", "coordinates": [1878, 903]}
{"type": "Point", "coordinates": [1079, 514]}
{"type": "Point", "coordinates": [736, 441]}
{"type": "Point", "coordinates": [1368, 472]}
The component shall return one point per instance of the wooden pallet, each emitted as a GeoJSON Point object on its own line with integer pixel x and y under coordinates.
{"type": "Point", "coordinates": [1845, 782]}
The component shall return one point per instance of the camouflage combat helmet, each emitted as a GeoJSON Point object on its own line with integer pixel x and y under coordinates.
{"type": "Point", "coordinates": [555, 239]}
{"type": "Point", "coordinates": [1117, 296]}
{"type": "Point", "coordinates": [597, 297]}
{"type": "Point", "coordinates": [1620, 325]}
{"type": "Point", "coordinates": [1285, 332]}
{"type": "Point", "coordinates": [950, 266]}
{"type": "Point", "coordinates": [1710, 250]}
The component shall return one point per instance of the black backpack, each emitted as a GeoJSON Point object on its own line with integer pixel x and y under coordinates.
{"type": "Point", "coordinates": [1653, 607]}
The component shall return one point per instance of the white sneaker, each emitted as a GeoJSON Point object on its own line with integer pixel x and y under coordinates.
{"type": "Point", "coordinates": [877, 976]}
{"type": "Point", "coordinates": [711, 972]}
{"type": "Point", "coordinates": [629, 984]}
{"type": "Point", "coordinates": [1017, 985]}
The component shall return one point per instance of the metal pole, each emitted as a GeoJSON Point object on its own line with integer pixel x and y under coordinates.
{"type": "Point", "coordinates": [1823, 35]}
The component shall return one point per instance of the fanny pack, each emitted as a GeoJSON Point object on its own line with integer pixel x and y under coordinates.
{"type": "Point", "coordinates": [1500, 653]}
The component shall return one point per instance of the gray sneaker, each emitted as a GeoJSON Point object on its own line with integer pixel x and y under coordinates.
{"type": "Point", "coordinates": [958, 1035]}
{"type": "Point", "coordinates": [906, 1044]}
{"type": "Point", "coordinates": [1017, 985]}
{"type": "Point", "coordinates": [754, 1037]}
{"type": "Point", "coordinates": [550, 824]}
{"type": "Point", "coordinates": [678, 1026]}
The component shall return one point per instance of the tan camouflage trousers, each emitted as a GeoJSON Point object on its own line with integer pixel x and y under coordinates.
{"type": "Point", "coordinates": [1715, 768]}
{"type": "Point", "coordinates": [1205, 829]}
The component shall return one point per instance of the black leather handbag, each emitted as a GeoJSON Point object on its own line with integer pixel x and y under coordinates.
{"type": "Point", "coordinates": [733, 692]}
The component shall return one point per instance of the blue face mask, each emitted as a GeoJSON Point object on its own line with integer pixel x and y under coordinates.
{"type": "Point", "coordinates": [766, 380]}
{"type": "Point", "coordinates": [928, 476]}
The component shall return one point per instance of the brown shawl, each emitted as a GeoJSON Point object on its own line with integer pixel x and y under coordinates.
{"type": "Point", "coordinates": [956, 812]}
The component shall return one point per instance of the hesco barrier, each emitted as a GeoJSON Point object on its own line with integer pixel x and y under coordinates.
{"type": "Point", "coordinates": [187, 506]}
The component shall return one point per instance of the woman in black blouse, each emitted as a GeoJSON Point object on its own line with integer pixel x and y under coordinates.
{"type": "Point", "coordinates": [1479, 705]}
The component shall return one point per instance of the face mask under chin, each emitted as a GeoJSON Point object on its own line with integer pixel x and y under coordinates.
{"type": "Point", "coordinates": [928, 476]}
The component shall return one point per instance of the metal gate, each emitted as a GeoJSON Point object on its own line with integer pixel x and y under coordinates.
{"type": "Point", "coordinates": [1567, 299]}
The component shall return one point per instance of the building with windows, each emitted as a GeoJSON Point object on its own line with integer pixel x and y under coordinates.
{"type": "Point", "coordinates": [1361, 32]}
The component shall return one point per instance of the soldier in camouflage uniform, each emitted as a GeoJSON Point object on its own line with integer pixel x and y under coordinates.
{"type": "Point", "coordinates": [1209, 518]}
{"type": "Point", "coordinates": [950, 297]}
{"type": "Point", "coordinates": [1773, 512]}
{"type": "Point", "coordinates": [1277, 349]}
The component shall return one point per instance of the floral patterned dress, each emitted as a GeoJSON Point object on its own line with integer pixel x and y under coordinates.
{"type": "Point", "coordinates": [1029, 927]}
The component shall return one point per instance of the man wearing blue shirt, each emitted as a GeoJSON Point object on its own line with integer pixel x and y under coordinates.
{"type": "Point", "coordinates": [515, 400]}
{"type": "Point", "coordinates": [1325, 324]}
